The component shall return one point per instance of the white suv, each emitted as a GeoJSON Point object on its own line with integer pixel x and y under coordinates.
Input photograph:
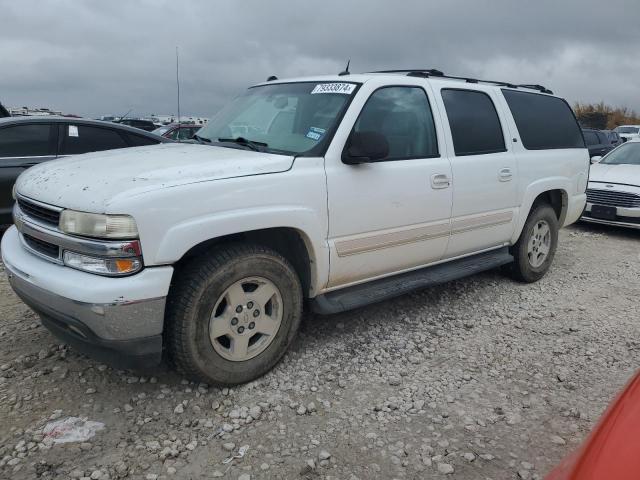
{"type": "Point", "coordinates": [334, 192]}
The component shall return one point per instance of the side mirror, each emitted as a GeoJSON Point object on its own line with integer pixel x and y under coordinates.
{"type": "Point", "coordinates": [365, 147]}
{"type": "Point", "coordinates": [596, 159]}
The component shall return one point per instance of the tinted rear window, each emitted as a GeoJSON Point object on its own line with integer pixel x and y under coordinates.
{"type": "Point", "coordinates": [544, 122]}
{"type": "Point", "coordinates": [83, 139]}
{"type": "Point", "coordinates": [474, 122]}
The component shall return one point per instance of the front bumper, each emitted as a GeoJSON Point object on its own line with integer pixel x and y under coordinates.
{"type": "Point", "coordinates": [116, 320]}
{"type": "Point", "coordinates": [625, 217]}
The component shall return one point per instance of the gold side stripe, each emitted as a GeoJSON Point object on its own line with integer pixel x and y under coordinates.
{"type": "Point", "coordinates": [474, 223]}
{"type": "Point", "coordinates": [386, 240]}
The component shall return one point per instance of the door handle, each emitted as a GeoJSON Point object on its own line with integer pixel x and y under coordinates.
{"type": "Point", "coordinates": [505, 174]}
{"type": "Point", "coordinates": [440, 180]}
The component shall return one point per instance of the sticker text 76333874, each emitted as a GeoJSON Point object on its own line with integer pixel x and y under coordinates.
{"type": "Point", "coordinates": [345, 88]}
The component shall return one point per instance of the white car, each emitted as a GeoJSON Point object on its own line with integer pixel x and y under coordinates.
{"type": "Point", "coordinates": [613, 194]}
{"type": "Point", "coordinates": [342, 191]}
{"type": "Point", "coordinates": [628, 132]}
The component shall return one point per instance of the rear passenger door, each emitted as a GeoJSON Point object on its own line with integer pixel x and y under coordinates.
{"type": "Point", "coordinates": [483, 168]}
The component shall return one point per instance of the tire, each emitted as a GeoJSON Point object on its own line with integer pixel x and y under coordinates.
{"type": "Point", "coordinates": [202, 303]}
{"type": "Point", "coordinates": [529, 266]}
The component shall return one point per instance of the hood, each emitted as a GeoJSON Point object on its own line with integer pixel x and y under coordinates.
{"type": "Point", "coordinates": [92, 181]}
{"type": "Point", "coordinates": [624, 174]}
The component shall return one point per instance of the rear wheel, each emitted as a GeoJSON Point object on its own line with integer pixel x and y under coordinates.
{"type": "Point", "coordinates": [232, 315]}
{"type": "Point", "coordinates": [534, 251]}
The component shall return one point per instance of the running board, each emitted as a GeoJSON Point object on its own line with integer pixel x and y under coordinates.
{"type": "Point", "coordinates": [385, 288]}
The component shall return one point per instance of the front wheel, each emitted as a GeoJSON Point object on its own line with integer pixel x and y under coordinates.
{"type": "Point", "coordinates": [536, 247]}
{"type": "Point", "coordinates": [232, 314]}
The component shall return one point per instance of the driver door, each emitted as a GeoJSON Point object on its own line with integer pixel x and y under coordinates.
{"type": "Point", "coordinates": [394, 214]}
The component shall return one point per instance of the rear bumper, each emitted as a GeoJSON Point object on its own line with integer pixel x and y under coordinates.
{"type": "Point", "coordinates": [116, 320]}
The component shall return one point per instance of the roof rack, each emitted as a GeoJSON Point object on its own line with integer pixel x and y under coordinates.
{"type": "Point", "coordinates": [432, 72]}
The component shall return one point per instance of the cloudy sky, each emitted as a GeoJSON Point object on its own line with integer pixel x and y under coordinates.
{"type": "Point", "coordinates": [106, 57]}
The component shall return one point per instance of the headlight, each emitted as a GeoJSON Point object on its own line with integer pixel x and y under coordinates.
{"type": "Point", "coordinates": [97, 225]}
{"type": "Point", "coordinates": [101, 265]}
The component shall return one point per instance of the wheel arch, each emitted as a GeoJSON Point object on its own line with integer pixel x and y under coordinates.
{"type": "Point", "coordinates": [293, 244]}
{"type": "Point", "coordinates": [553, 193]}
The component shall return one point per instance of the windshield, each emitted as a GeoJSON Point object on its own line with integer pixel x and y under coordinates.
{"type": "Point", "coordinates": [627, 129]}
{"type": "Point", "coordinates": [627, 153]}
{"type": "Point", "coordinates": [286, 118]}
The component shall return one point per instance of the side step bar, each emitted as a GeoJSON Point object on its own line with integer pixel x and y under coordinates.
{"type": "Point", "coordinates": [385, 288]}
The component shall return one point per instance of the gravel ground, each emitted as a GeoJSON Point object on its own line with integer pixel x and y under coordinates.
{"type": "Point", "coordinates": [481, 378]}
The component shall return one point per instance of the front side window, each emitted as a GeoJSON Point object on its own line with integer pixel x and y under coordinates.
{"type": "Point", "coordinates": [544, 122]}
{"type": "Point", "coordinates": [403, 115]}
{"type": "Point", "coordinates": [625, 154]}
{"type": "Point", "coordinates": [474, 122]}
{"type": "Point", "coordinates": [25, 141]}
{"type": "Point", "coordinates": [286, 118]}
{"type": "Point", "coordinates": [83, 139]}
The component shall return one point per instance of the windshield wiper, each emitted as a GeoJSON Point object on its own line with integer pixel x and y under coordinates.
{"type": "Point", "coordinates": [201, 139]}
{"type": "Point", "coordinates": [255, 146]}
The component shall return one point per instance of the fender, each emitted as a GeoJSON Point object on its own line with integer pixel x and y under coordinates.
{"type": "Point", "coordinates": [531, 193]}
{"type": "Point", "coordinates": [180, 238]}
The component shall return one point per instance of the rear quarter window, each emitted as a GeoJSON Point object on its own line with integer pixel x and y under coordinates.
{"type": "Point", "coordinates": [544, 122]}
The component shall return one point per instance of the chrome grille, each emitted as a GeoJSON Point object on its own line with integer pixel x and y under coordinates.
{"type": "Point", "coordinates": [613, 198]}
{"type": "Point", "coordinates": [38, 212]}
{"type": "Point", "coordinates": [42, 247]}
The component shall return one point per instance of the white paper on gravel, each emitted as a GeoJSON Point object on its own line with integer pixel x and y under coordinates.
{"type": "Point", "coordinates": [71, 429]}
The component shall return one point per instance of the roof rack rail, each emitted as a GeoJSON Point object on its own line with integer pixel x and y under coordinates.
{"type": "Point", "coordinates": [432, 72]}
{"type": "Point", "coordinates": [537, 87]}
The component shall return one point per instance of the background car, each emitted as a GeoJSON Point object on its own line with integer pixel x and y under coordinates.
{"type": "Point", "coordinates": [613, 192]}
{"type": "Point", "coordinates": [597, 142]}
{"type": "Point", "coordinates": [612, 449]}
{"type": "Point", "coordinates": [146, 125]}
{"type": "Point", "coordinates": [175, 131]}
{"type": "Point", "coordinates": [628, 132]}
{"type": "Point", "coordinates": [614, 137]}
{"type": "Point", "coordinates": [27, 141]}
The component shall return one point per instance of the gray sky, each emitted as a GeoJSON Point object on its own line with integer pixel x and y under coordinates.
{"type": "Point", "coordinates": [106, 57]}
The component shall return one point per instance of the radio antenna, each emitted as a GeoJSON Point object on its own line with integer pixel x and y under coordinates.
{"type": "Point", "coordinates": [178, 87]}
{"type": "Point", "coordinates": [346, 70]}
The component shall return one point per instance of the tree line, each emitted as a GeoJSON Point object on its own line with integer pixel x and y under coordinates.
{"type": "Point", "coordinates": [604, 117]}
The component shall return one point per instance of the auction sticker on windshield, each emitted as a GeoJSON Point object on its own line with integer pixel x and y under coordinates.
{"type": "Point", "coordinates": [345, 88]}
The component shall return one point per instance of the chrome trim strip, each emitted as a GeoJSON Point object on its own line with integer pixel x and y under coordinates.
{"type": "Point", "coordinates": [96, 248]}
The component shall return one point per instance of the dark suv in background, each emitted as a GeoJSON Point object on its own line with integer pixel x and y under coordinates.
{"type": "Point", "coordinates": [597, 142]}
{"type": "Point", "coordinates": [27, 141]}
